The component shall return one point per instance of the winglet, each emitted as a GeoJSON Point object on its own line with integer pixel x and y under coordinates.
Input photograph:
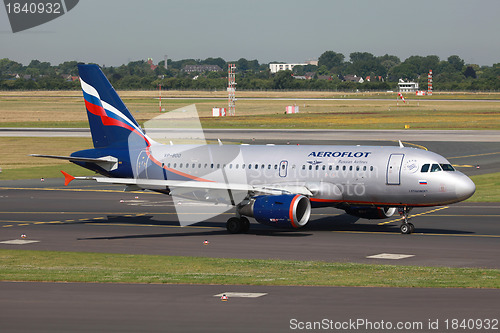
{"type": "Point", "coordinates": [67, 178]}
{"type": "Point", "coordinates": [401, 144]}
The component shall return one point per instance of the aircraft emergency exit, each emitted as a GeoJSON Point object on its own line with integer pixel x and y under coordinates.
{"type": "Point", "coordinates": [276, 185]}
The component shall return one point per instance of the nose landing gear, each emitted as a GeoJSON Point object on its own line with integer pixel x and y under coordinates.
{"type": "Point", "coordinates": [406, 227]}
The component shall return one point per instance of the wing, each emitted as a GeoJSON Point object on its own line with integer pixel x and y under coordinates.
{"type": "Point", "coordinates": [159, 184]}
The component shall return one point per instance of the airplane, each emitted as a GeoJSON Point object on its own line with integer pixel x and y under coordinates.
{"type": "Point", "coordinates": [277, 185]}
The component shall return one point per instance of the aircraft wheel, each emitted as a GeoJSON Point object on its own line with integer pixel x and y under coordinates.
{"type": "Point", "coordinates": [412, 227]}
{"type": "Point", "coordinates": [405, 228]}
{"type": "Point", "coordinates": [246, 225]}
{"type": "Point", "coordinates": [234, 225]}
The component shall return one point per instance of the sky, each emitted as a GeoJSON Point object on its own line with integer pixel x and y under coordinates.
{"type": "Point", "coordinates": [114, 32]}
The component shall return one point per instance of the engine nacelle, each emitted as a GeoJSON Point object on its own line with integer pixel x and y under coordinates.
{"type": "Point", "coordinates": [282, 211]}
{"type": "Point", "coordinates": [371, 213]}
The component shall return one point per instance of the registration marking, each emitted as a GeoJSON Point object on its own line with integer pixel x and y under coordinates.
{"type": "Point", "coordinates": [390, 256]}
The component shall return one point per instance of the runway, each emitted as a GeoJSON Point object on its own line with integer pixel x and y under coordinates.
{"type": "Point", "coordinates": [96, 219]}
{"type": "Point", "coordinates": [77, 307]}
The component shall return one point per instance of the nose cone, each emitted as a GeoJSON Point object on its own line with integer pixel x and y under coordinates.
{"type": "Point", "coordinates": [464, 188]}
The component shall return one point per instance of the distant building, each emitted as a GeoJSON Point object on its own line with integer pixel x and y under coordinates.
{"type": "Point", "coordinates": [201, 68]}
{"type": "Point", "coordinates": [407, 86]}
{"type": "Point", "coordinates": [354, 78]}
{"type": "Point", "coordinates": [275, 68]}
{"type": "Point", "coordinates": [151, 65]}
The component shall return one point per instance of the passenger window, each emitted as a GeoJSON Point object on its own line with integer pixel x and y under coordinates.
{"type": "Point", "coordinates": [425, 168]}
{"type": "Point", "coordinates": [371, 168]}
{"type": "Point", "coordinates": [317, 167]}
{"type": "Point", "coordinates": [256, 166]}
{"type": "Point", "coordinates": [343, 167]}
{"type": "Point", "coordinates": [310, 167]}
{"type": "Point", "coordinates": [249, 166]}
{"type": "Point", "coordinates": [324, 167]}
{"type": "Point", "coordinates": [435, 168]}
{"type": "Point", "coordinates": [276, 167]}
{"type": "Point", "coordinates": [243, 166]}
{"type": "Point", "coordinates": [364, 168]}
{"type": "Point", "coordinates": [212, 166]}
{"type": "Point", "coordinates": [337, 168]}
{"type": "Point", "coordinates": [447, 167]}
{"type": "Point", "coordinates": [218, 166]}
{"type": "Point", "coordinates": [269, 166]}
{"type": "Point", "coordinates": [303, 167]}
{"type": "Point", "coordinates": [180, 165]}
{"type": "Point", "coordinates": [350, 168]}
{"type": "Point", "coordinates": [357, 167]}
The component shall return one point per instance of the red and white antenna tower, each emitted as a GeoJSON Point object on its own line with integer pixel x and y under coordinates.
{"type": "Point", "coordinates": [429, 83]}
{"type": "Point", "coordinates": [231, 88]}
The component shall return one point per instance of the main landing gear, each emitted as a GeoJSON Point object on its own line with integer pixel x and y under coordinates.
{"type": "Point", "coordinates": [238, 225]}
{"type": "Point", "coordinates": [406, 227]}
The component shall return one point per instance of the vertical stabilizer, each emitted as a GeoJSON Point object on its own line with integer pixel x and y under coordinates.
{"type": "Point", "coordinates": [111, 123]}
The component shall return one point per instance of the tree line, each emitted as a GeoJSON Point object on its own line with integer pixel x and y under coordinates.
{"type": "Point", "coordinates": [331, 73]}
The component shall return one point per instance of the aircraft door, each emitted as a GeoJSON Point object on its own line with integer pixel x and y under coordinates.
{"type": "Point", "coordinates": [283, 168]}
{"type": "Point", "coordinates": [142, 165]}
{"type": "Point", "coordinates": [393, 175]}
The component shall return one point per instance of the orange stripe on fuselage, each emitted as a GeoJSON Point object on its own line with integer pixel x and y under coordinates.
{"type": "Point", "coordinates": [374, 203]}
{"type": "Point", "coordinates": [176, 171]}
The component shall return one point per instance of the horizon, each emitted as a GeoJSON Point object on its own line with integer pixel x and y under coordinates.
{"type": "Point", "coordinates": [268, 31]}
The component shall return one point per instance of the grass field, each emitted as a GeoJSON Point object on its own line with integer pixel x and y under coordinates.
{"type": "Point", "coordinates": [19, 265]}
{"type": "Point", "coordinates": [66, 109]}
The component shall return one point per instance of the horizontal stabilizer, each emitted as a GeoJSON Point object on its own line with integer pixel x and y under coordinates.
{"type": "Point", "coordinates": [108, 163]}
{"type": "Point", "coordinates": [67, 178]}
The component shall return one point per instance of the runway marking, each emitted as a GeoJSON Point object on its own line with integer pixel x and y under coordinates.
{"type": "Point", "coordinates": [19, 242]}
{"type": "Point", "coordinates": [412, 144]}
{"type": "Point", "coordinates": [71, 190]}
{"type": "Point", "coordinates": [485, 154]}
{"type": "Point", "coordinates": [414, 234]}
{"type": "Point", "coordinates": [151, 225]}
{"type": "Point", "coordinates": [420, 214]}
{"type": "Point", "coordinates": [231, 294]}
{"type": "Point", "coordinates": [390, 256]}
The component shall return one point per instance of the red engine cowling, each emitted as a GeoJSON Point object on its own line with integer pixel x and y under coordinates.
{"type": "Point", "coordinates": [282, 211]}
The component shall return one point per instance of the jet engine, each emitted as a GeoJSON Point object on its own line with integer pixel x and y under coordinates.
{"type": "Point", "coordinates": [371, 213]}
{"type": "Point", "coordinates": [282, 211]}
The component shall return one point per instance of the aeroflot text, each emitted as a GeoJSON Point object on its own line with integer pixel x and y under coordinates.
{"type": "Point", "coordinates": [339, 154]}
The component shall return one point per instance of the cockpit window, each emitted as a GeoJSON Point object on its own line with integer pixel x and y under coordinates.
{"type": "Point", "coordinates": [447, 167]}
{"type": "Point", "coordinates": [435, 168]}
{"type": "Point", "coordinates": [425, 168]}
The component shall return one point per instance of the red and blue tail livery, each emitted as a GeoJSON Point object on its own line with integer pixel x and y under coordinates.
{"type": "Point", "coordinates": [111, 123]}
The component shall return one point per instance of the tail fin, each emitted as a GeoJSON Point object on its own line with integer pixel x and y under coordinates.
{"type": "Point", "coordinates": [111, 123]}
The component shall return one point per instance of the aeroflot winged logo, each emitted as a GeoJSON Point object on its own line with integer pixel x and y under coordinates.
{"type": "Point", "coordinates": [26, 14]}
